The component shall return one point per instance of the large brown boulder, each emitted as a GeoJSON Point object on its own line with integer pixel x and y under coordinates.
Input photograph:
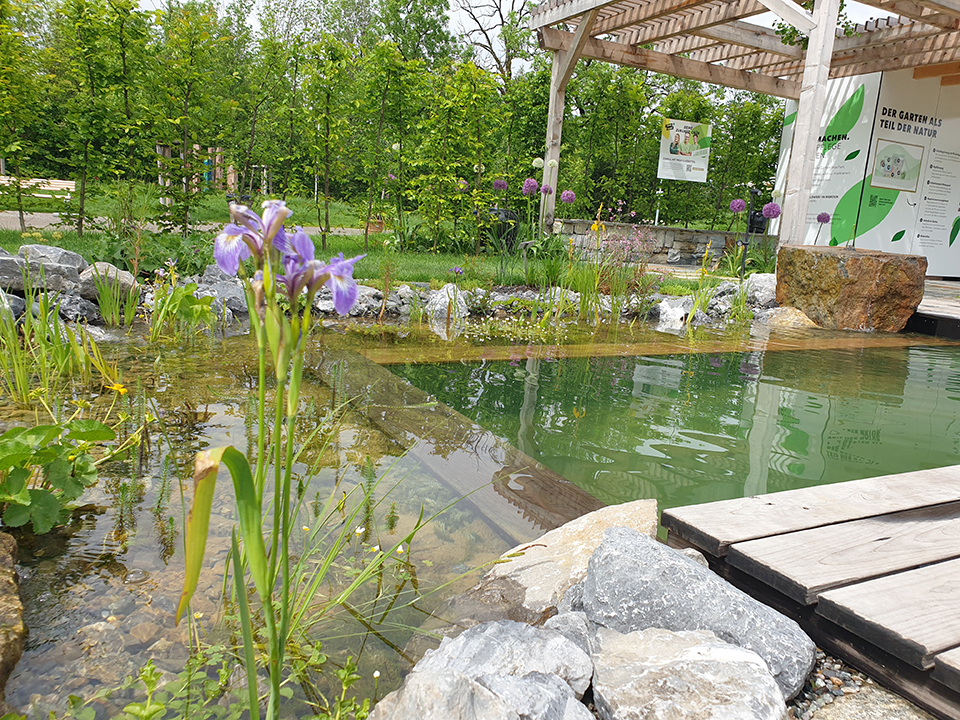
{"type": "Point", "coordinates": [850, 289]}
{"type": "Point", "coordinates": [12, 629]}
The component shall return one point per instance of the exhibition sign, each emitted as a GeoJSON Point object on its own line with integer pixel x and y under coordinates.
{"type": "Point", "coordinates": [887, 169]}
{"type": "Point", "coordinates": [684, 150]}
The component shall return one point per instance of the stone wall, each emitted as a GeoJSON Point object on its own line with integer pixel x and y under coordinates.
{"type": "Point", "coordinates": [670, 246]}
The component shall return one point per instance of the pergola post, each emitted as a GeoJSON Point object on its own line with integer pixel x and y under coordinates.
{"type": "Point", "coordinates": [564, 61]}
{"type": "Point", "coordinates": [813, 98]}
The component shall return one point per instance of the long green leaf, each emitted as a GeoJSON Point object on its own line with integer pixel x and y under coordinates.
{"type": "Point", "coordinates": [206, 466]}
{"type": "Point", "coordinates": [246, 628]}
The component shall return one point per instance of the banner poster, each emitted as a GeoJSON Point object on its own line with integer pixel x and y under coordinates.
{"type": "Point", "coordinates": [887, 169]}
{"type": "Point", "coordinates": [684, 150]}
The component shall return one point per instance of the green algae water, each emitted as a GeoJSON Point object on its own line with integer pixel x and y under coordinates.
{"type": "Point", "coordinates": [695, 428]}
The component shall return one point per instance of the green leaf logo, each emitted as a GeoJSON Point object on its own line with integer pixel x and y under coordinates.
{"type": "Point", "coordinates": [898, 236]}
{"type": "Point", "coordinates": [877, 204]}
{"type": "Point", "coordinates": [845, 118]}
{"type": "Point", "coordinates": [852, 155]}
{"type": "Point", "coordinates": [955, 230]}
{"type": "Point", "coordinates": [788, 120]}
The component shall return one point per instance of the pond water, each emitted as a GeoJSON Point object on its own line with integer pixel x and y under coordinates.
{"type": "Point", "coordinates": [694, 428]}
{"type": "Point", "coordinates": [681, 420]}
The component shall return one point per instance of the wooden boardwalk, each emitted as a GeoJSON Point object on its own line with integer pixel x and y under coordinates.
{"type": "Point", "coordinates": [869, 568]}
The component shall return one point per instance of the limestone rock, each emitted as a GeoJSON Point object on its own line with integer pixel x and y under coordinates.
{"type": "Point", "coordinates": [511, 648]}
{"type": "Point", "coordinates": [47, 254]}
{"type": "Point", "coordinates": [673, 313]}
{"type": "Point", "coordinates": [55, 277]}
{"type": "Point", "coordinates": [788, 317]}
{"type": "Point", "coordinates": [12, 630]}
{"type": "Point", "coordinates": [573, 626]}
{"type": "Point", "coordinates": [442, 695]}
{"type": "Point", "coordinates": [762, 290]}
{"type": "Point", "coordinates": [850, 289]}
{"type": "Point", "coordinates": [635, 583]}
{"type": "Point", "coordinates": [661, 675]}
{"type": "Point", "coordinates": [547, 567]}
{"type": "Point", "coordinates": [74, 308]}
{"type": "Point", "coordinates": [536, 696]}
{"type": "Point", "coordinates": [119, 280]}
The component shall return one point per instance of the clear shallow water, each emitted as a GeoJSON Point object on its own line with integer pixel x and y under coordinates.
{"type": "Point", "coordinates": [700, 427]}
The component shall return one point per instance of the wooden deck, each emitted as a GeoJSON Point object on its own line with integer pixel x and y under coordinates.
{"type": "Point", "coordinates": [869, 568]}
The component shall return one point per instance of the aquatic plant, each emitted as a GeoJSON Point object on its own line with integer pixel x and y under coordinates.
{"type": "Point", "coordinates": [118, 306]}
{"type": "Point", "coordinates": [285, 268]}
{"type": "Point", "coordinates": [175, 307]}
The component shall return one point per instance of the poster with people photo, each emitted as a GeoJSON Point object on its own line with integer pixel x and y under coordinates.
{"type": "Point", "coordinates": [684, 150]}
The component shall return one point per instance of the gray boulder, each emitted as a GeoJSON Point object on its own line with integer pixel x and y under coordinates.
{"type": "Point", "coordinates": [661, 675]}
{"type": "Point", "coordinates": [50, 276]}
{"type": "Point", "coordinates": [14, 304]}
{"type": "Point", "coordinates": [511, 648]}
{"type": "Point", "coordinates": [536, 696]}
{"type": "Point", "coordinates": [442, 695]}
{"type": "Point", "coordinates": [635, 583]}
{"type": "Point", "coordinates": [120, 280]}
{"type": "Point", "coordinates": [212, 274]}
{"type": "Point", "coordinates": [47, 254]}
{"type": "Point", "coordinates": [227, 293]}
{"type": "Point", "coordinates": [762, 290]}
{"type": "Point", "coordinates": [369, 301]}
{"type": "Point", "coordinates": [573, 626]}
{"type": "Point", "coordinates": [673, 313]}
{"type": "Point", "coordinates": [74, 308]}
{"type": "Point", "coordinates": [447, 305]}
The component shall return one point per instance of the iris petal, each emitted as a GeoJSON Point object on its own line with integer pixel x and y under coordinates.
{"type": "Point", "coordinates": [229, 248]}
{"type": "Point", "coordinates": [342, 284]}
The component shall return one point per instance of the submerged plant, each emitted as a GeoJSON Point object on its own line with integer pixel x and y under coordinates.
{"type": "Point", "coordinates": [285, 268]}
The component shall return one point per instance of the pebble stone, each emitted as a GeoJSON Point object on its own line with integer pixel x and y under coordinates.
{"type": "Point", "coordinates": [830, 679]}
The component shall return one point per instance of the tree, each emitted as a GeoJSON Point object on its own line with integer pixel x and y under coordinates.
{"type": "Point", "coordinates": [498, 30]}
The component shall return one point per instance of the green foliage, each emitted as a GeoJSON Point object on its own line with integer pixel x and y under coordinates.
{"type": "Point", "coordinates": [45, 468]}
{"type": "Point", "coordinates": [117, 305]}
{"type": "Point", "coordinates": [175, 307]}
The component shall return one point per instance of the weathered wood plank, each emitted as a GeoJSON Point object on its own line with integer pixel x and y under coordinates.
{"type": "Point", "coordinates": [713, 527]}
{"type": "Point", "coordinates": [918, 686]}
{"type": "Point", "coordinates": [913, 615]}
{"type": "Point", "coordinates": [946, 669]}
{"type": "Point", "coordinates": [804, 564]}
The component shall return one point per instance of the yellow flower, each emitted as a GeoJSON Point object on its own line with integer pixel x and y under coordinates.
{"type": "Point", "coordinates": [118, 387]}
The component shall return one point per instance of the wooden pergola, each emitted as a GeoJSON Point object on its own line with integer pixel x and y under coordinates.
{"type": "Point", "coordinates": [712, 41]}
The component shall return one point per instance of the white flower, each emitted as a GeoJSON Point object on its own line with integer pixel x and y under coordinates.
{"type": "Point", "coordinates": [538, 162]}
{"type": "Point", "coordinates": [400, 550]}
{"type": "Point", "coordinates": [376, 674]}
{"type": "Point", "coordinates": [306, 528]}
{"type": "Point", "coordinates": [360, 530]}
{"type": "Point", "coordinates": [553, 163]}
{"type": "Point", "coordinates": [395, 147]}
{"type": "Point", "coordinates": [479, 168]}
{"type": "Point", "coordinates": [777, 194]}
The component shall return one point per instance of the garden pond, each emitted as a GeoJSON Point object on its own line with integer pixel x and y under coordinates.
{"type": "Point", "coordinates": [683, 419]}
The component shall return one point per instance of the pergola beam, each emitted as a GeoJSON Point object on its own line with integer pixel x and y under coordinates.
{"type": "Point", "coordinates": [751, 36]}
{"type": "Point", "coordinates": [644, 13]}
{"type": "Point", "coordinates": [898, 63]}
{"type": "Point", "coordinates": [558, 11]}
{"type": "Point", "coordinates": [701, 18]}
{"type": "Point", "coordinates": [792, 14]}
{"type": "Point", "coordinates": [620, 54]}
{"type": "Point", "coordinates": [915, 11]}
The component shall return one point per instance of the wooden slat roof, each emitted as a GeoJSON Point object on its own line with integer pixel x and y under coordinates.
{"type": "Point", "coordinates": [714, 40]}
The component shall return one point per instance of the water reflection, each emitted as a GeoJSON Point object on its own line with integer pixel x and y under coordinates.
{"type": "Point", "coordinates": [695, 428]}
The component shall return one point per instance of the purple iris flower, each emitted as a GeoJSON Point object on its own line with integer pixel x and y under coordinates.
{"type": "Point", "coordinates": [567, 196]}
{"type": "Point", "coordinates": [823, 218]}
{"type": "Point", "coordinates": [738, 205]}
{"type": "Point", "coordinates": [275, 213]}
{"type": "Point", "coordinates": [499, 184]}
{"type": "Point", "coordinates": [771, 210]}
{"type": "Point", "coordinates": [242, 215]}
{"type": "Point", "coordinates": [530, 186]}
{"type": "Point", "coordinates": [233, 245]}
{"type": "Point", "coordinates": [341, 282]}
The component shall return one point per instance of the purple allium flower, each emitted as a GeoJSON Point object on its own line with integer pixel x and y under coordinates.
{"type": "Point", "coordinates": [546, 190]}
{"type": "Point", "coordinates": [463, 185]}
{"type": "Point", "coordinates": [738, 205]}
{"type": "Point", "coordinates": [530, 186]}
{"type": "Point", "coordinates": [391, 176]}
{"type": "Point", "coordinates": [499, 184]}
{"type": "Point", "coordinates": [823, 217]}
{"type": "Point", "coordinates": [771, 210]}
{"type": "Point", "coordinates": [567, 196]}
